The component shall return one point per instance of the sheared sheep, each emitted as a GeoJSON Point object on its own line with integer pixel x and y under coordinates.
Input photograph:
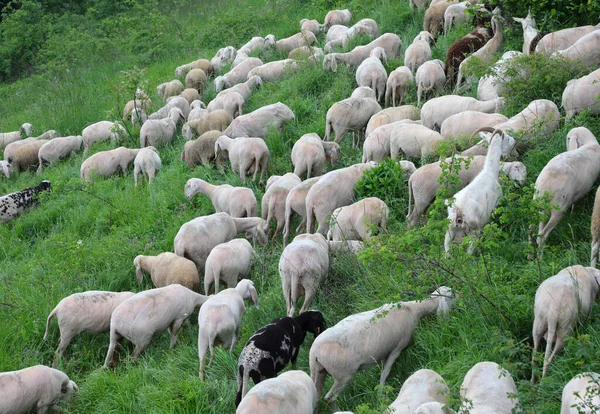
{"type": "Point", "coordinates": [296, 203]}
{"type": "Point", "coordinates": [424, 386]}
{"type": "Point", "coordinates": [581, 394]}
{"type": "Point", "coordinates": [273, 201]}
{"type": "Point", "coordinates": [390, 42]}
{"type": "Point", "coordinates": [58, 148]}
{"type": "Point", "coordinates": [350, 114]}
{"type": "Point", "coordinates": [102, 131]}
{"type": "Point", "coordinates": [217, 120]}
{"type": "Point", "coordinates": [257, 44]}
{"type": "Point", "coordinates": [235, 201]}
{"type": "Point", "coordinates": [203, 64]}
{"type": "Point", "coordinates": [202, 150]}
{"type": "Point", "coordinates": [582, 94]}
{"type": "Point", "coordinates": [167, 269]}
{"type": "Point", "coordinates": [157, 132]}
{"type": "Point", "coordinates": [227, 263]}
{"type": "Point", "coordinates": [363, 92]}
{"type": "Point", "coordinates": [107, 163]}
{"type": "Point", "coordinates": [437, 110]}
{"type": "Point", "coordinates": [433, 21]}
{"type": "Point", "coordinates": [357, 221]}
{"type": "Point", "coordinates": [430, 77]}
{"type": "Point", "coordinates": [389, 115]}
{"type": "Point", "coordinates": [312, 53]}
{"type": "Point", "coordinates": [26, 156]}
{"type": "Point", "coordinates": [310, 153]}
{"type": "Point", "coordinates": [258, 122]}
{"type": "Point", "coordinates": [172, 102]}
{"type": "Point", "coordinates": [244, 88]}
{"type": "Point", "coordinates": [274, 71]}
{"type": "Point", "coordinates": [488, 388]}
{"type": "Point", "coordinates": [419, 51]}
{"type": "Point", "coordinates": [171, 88]}
{"type": "Point", "coordinates": [454, 15]}
{"type": "Point", "coordinates": [343, 17]}
{"type": "Point", "coordinates": [310, 26]}
{"type": "Point", "coordinates": [237, 74]}
{"type": "Point", "coordinates": [246, 155]}
{"type": "Point", "coordinates": [231, 102]}
{"type": "Point", "coordinates": [340, 36]}
{"type": "Point", "coordinates": [372, 73]}
{"type": "Point", "coordinates": [563, 39]}
{"type": "Point", "coordinates": [7, 137]}
{"type": "Point", "coordinates": [467, 122]}
{"type": "Point", "coordinates": [586, 50]}
{"type": "Point", "coordinates": [397, 85]}
{"type": "Point", "coordinates": [413, 141]}
{"type": "Point", "coordinates": [13, 204]}
{"type": "Point", "coordinates": [299, 39]}
{"type": "Point", "coordinates": [147, 161]}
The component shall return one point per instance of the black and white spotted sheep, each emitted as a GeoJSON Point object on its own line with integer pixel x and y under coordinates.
{"type": "Point", "coordinates": [11, 205]}
{"type": "Point", "coordinates": [270, 349]}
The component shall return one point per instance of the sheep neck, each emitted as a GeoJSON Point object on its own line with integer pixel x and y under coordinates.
{"type": "Point", "coordinates": [492, 160]}
{"type": "Point", "coordinates": [422, 308]}
{"type": "Point", "coordinates": [206, 188]}
{"type": "Point", "coordinates": [244, 224]}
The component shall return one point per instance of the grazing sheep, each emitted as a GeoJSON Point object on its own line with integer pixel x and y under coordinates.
{"type": "Point", "coordinates": [296, 203]}
{"type": "Point", "coordinates": [310, 153]}
{"type": "Point", "coordinates": [357, 221]}
{"type": "Point", "coordinates": [190, 94]}
{"type": "Point", "coordinates": [398, 84]}
{"type": "Point", "coordinates": [7, 137]}
{"type": "Point", "coordinates": [217, 120]}
{"type": "Point", "coordinates": [26, 156]}
{"type": "Point", "coordinates": [595, 229]}
{"type": "Point", "coordinates": [203, 64]}
{"type": "Point", "coordinates": [334, 189]}
{"type": "Point", "coordinates": [585, 50]}
{"type": "Point", "coordinates": [467, 122]}
{"type": "Point", "coordinates": [539, 118]}
{"type": "Point", "coordinates": [39, 388]}
{"type": "Point", "coordinates": [223, 56]}
{"type": "Point", "coordinates": [366, 339]}
{"type": "Point", "coordinates": [196, 238]}
{"type": "Point", "coordinates": [273, 346]}
{"type": "Point", "coordinates": [437, 110]}
{"type": "Point", "coordinates": [312, 53]}
{"type": "Point", "coordinates": [273, 201]}
{"type": "Point", "coordinates": [172, 102]}
{"type": "Point", "coordinates": [340, 36]}
{"type": "Point", "coordinates": [390, 115]}
{"type": "Point", "coordinates": [581, 394]}
{"type": "Point", "coordinates": [151, 312]}
{"type": "Point", "coordinates": [433, 22]}
{"type": "Point", "coordinates": [231, 102]}
{"type": "Point", "coordinates": [345, 247]}
{"type": "Point", "coordinates": [310, 26]}
{"type": "Point", "coordinates": [244, 88]}
{"type": "Point", "coordinates": [258, 122]}
{"type": "Point", "coordinates": [167, 269]}
{"type": "Point", "coordinates": [58, 148]}
{"type": "Point", "coordinates": [274, 71]}
{"type": "Point", "coordinates": [147, 161]}
{"type": "Point", "coordinates": [6, 168]}
{"type": "Point", "coordinates": [581, 94]}
{"type": "Point", "coordinates": [413, 141]}
{"type": "Point", "coordinates": [83, 312]}
{"type": "Point", "coordinates": [430, 77]}
{"type": "Point", "coordinates": [372, 73]}
{"type": "Point", "coordinates": [138, 116]}
{"type": "Point", "coordinates": [407, 166]}
{"type": "Point", "coordinates": [171, 88]}
{"type": "Point", "coordinates": [531, 34]}
{"type": "Point", "coordinates": [142, 101]}
{"type": "Point", "coordinates": [299, 39]}
{"type": "Point", "coordinates": [258, 44]}
{"type": "Point", "coordinates": [390, 43]}
{"type": "Point", "coordinates": [220, 319]}
{"type": "Point", "coordinates": [246, 155]}
{"type": "Point", "coordinates": [492, 86]}
{"type": "Point", "coordinates": [481, 148]}
{"type": "Point", "coordinates": [560, 301]}
{"type": "Point", "coordinates": [237, 74]}
{"type": "Point", "coordinates": [424, 386]}
{"type": "Point", "coordinates": [335, 32]}
{"type": "Point", "coordinates": [235, 201]}
{"type": "Point", "coordinates": [343, 17]}
{"type": "Point", "coordinates": [157, 132]}
{"type": "Point", "coordinates": [454, 15]}
{"type": "Point", "coordinates": [563, 39]}
{"type": "Point", "coordinates": [350, 114]}
{"type": "Point", "coordinates": [102, 131]}
{"type": "Point", "coordinates": [568, 177]}
{"type": "Point", "coordinates": [196, 79]}
{"type": "Point", "coordinates": [424, 182]}
{"type": "Point", "coordinates": [107, 163]}
{"type": "Point", "coordinates": [11, 205]}
{"type": "Point", "coordinates": [202, 150]}
{"type": "Point", "coordinates": [488, 388]}
{"type": "Point", "coordinates": [292, 392]}
{"type": "Point", "coordinates": [473, 205]}
{"type": "Point", "coordinates": [227, 263]}
{"type": "Point", "coordinates": [363, 92]}
{"type": "Point", "coordinates": [418, 52]}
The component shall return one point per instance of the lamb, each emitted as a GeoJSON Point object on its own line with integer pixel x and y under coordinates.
{"type": "Point", "coordinates": [568, 177]}
{"type": "Point", "coordinates": [488, 388]}
{"type": "Point", "coordinates": [422, 387]}
{"type": "Point", "coordinates": [157, 132]}
{"type": "Point", "coordinates": [309, 154]}
{"type": "Point", "coordinates": [398, 84]}
{"type": "Point", "coordinates": [147, 161]}
{"type": "Point", "coordinates": [36, 388]}
{"type": "Point", "coordinates": [26, 156]}
{"type": "Point", "coordinates": [372, 73]}
{"type": "Point", "coordinates": [312, 53]}
{"type": "Point", "coordinates": [389, 115]}
{"type": "Point", "coordinates": [203, 64]}
{"type": "Point", "coordinates": [232, 103]}
{"type": "Point", "coordinates": [343, 17]}
{"type": "Point", "coordinates": [190, 95]}
{"type": "Point", "coordinates": [437, 110]}
{"type": "Point", "coordinates": [473, 205]}
{"type": "Point", "coordinates": [595, 229]}
{"type": "Point", "coordinates": [310, 26]}
{"type": "Point", "coordinates": [258, 44]}
{"type": "Point", "coordinates": [581, 94]}
{"type": "Point", "coordinates": [223, 56]}
{"type": "Point", "coordinates": [273, 346]}
{"type": "Point", "coordinates": [107, 163]}
{"type": "Point", "coordinates": [302, 267]}
{"type": "Point", "coordinates": [102, 131]}
{"type": "Point", "coordinates": [273, 201]}
{"type": "Point", "coordinates": [418, 52]}
{"type": "Point", "coordinates": [195, 79]}
{"type": "Point", "coordinates": [58, 148]}
{"type": "Point", "coordinates": [227, 263]}
{"type": "Point", "coordinates": [83, 312]}
{"type": "Point", "coordinates": [390, 43]}
{"type": "Point", "coordinates": [167, 269]}
{"type": "Point", "coordinates": [334, 189]}
{"type": "Point", "coordinates": [220, 319]}
{"type": "Point", "coordinates": [292, 392]}
{"type": "Point", "coordinates": [244, 88]}
{"type": "Point", "coordinates": [430, 77]}
{"type": "Point", "coordinates": [246, 155]}
{"type": "Point", "coordinates": [366, 339]}
{"type": "Point", "coordinates": [350, 114]}
{"type": "Point", "coordinates": [424, 182]}
{"type": "Point", "coordinates": [357, 221]}
{"type": "Point", "coordinates": [413, 140]}
{"type": "Point", "coordinates": [299, 39]}
{"type": "Point", "coordinates": [433, 22]}
{"type": "Point", "coordinates": [363, 92]}
{"type": "Point", "coordinates": [454, 15]}
{"type": "Point", "coordinates": [235, 201]}
{"type": "Point", "coordinates": [581, 394]}
{"type": "Point", "coordinates": [584, 50]}
{"type": "Point", "coordinates": [274, 71]}
{"type": "Point", "coordinates": [237, 74]}
{"type": "Point", "coordinates": [171, 88]}
{"type": "Point", "coordinates": [202, 150]}
{"type": "Point", "coordinates": [6, 168]}
{"type": "Point", "coordinates": [467, 122]}
{"type": "Point", "coordinates": [258, 122]}
{"type": "Point", "coordinates": [531, 34]}
{"type": "Point", "coordinates": [11, 205]}
{"type": "Point", "coordinates": [560, 301]}
{"type": "Point", "coordinates": [217, 120]}
{"type": "Point", "coordinates": [151, 312]}
{"type": "Point", "coordinates": [296, 203]}
{"type": "Point", "coordinates": [562, 39]}
{"type": "Point", "coordinates": [6, 138]}
{"type": "Point", "coordinates": [196, 238]}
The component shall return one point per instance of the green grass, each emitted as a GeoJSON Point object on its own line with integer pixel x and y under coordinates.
{"type": "Point", "coordinates": [85, 237]}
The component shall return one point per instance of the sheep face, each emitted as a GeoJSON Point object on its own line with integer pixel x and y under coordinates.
{"type": "Point", "coordinates": [258, 233]}
{"type": "Point", "coordinates": [191, 188]}
{"type": "Point", "coordinates": [27, 129]}
{"type": "Point", "coordinates": [219, 83]}
{"type": "Point", "coordinates": [6, 168]}
{"type": "Point", "coordinates": [68, 390]}
{"type": "Point", "coordinates": [316, 322]}
{"type": "Point", "coordinates": [330, 63]}
{"type": "Point", "coordinates": [447, 297]}
{"type": "Point", "coordinates": [517, 173]}
{"type": "Point", "coordinates": [187, 132]}
{"type": "Point", "coordinates": [270, 40]}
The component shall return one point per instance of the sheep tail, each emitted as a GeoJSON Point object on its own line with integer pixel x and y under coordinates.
{"type": "Point", "coordinates": [410, 198]}
{"type": "Point", "coordinates": [419, 92]}
{"type": "Point", "coordinates": [243, 378]}
{"type": "Point", "coordinates": [52, 315]}
{"type": "Point", "coordinates": [458, 218]}
{"type": "Point", "coordinates": [310, 217]}
{"type": "Point", "coordinates": [327, 130]}
{"type": "Point", "coordinates": [308, 170]}
{"type": "Point", "coordinates": [550, 339]}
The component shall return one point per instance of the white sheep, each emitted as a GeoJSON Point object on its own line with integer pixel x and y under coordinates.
{"type": "Point", "coordinates": [171, 88]}
{"type": "Point", "coordinates": [357, 221]}
{"type": "Point", "coordinates": [473, 205]}
{"type": "Point", "coordinates": [151, 312]}
{"type": "Point", "coordinates": [413, 140]}
{"type": "Point", "coordinates": [58, 148]}
{"type": "Point", "coordinates": [581, 94]}
{"type": "Point", "coordinates": [244, 88]}
{"type": "Point", "coordinates": [257, 44]}
{"type": "Point", "coordinates": [83, 312]}
{"type": "Point", "coordinates": [138, 116]}
{"type": "Point", "coordinates": [430, 77]}
{"type": "Point", "coordinates": [310, 153]}
{"type": "Point", "coordinates": [172, 102]}
{"type": "Point", "coordinates": [424, 386]}
{"type": "Point", "coordinates": [539, 118]}
{"type": "Point", "coordinates": [147, 161]}
{"type": "Point", "coordinates": [227, 263]}
{"type": "Point", "coordinates": [299, 39]}
{"type": "Point", "coordinates": [389, 115]}
{"type": "Point", "coordinates": [436, 110]}
{"type": "Point", "coordinates": [454, 15]}
{"type": "Point", "coordinates": [467, 122]}
{"type": "Point", "coordinates": [167, 269]}
{"type": "Point", "coordinates": [7, 137]}
{"type": "Point", "coordinates": [232, 102]}
{"type": "Point", "coordinates": [157, 132]}
{"type": "Point", "coordinates": [6, 168]}
{"type": "Point", "coordinates": [220, 319]}
{"type": "Point", "coordinates": [196, 238]}
{"type": "Point", "coordinates": [372, 73]}
{"type": "Point", "coordinates": [581, 394]}
{"type": "Point", "coordinates": [366, 339]}
{"type": "Point", "coordinates": [292, 392]}
{"type": "Point", "coordinates": [101, 131]}
{"type": "Point", "coordinates": [203, 64]}
{"type": "Point", "coordinates": [568, 177]}
{"type": "Point", "coordinates": [246, 155]}
{"type": "Point", "coordinates": [419, 51]}
{"type": "Point", "coordinates": [363, 92]}
{"type": "Point", "coordinates": [397, 85]}
{"type": "Point", "coordinates": [217, 120]}
{"type": "Point", "coordinates": [190, 95]}
{"type": "Point", "coordinates": [595, 229]}
{"type": "Point", "coordinates": [488, 388]}
{"type": "Point", "coordinates": [390, 42]}
{"type": "Point", "coordinates": [492, 86]}
{"type": "Point", "coordinates": [296, 203]}
{"type": "Point", "coordinates": [223, 56]}
{"type": "Point", "coordinates": [340, 35]}
{"type": "Point", "coordinates": [274, 71]}
{"type": "Point", "coordinates": [310, 26]}
{"type": "Point", "coordinates": [107, 163]}
{"type": "Point", "coordinates": [584, 50]}
{"type": "Point", "coordinates": [343, 17]}
{"type": "Point", "coordinates": [563, 39]}
{"type": "Point", "coordinates": [350, 114]}
{"type": "Point", "coordinates": [258, 122]}
{"type": "Point", "coordinates": [237, 74]}
{"type": "Point", "coordinates": [235, 201]}
{"type": "Point", "coordinates": [273, 201]}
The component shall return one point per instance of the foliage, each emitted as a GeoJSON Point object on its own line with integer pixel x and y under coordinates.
{"type": "Point", "coordinates": [551, 15]}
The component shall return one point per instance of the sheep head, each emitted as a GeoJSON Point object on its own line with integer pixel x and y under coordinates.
{"type": "Point", "coordinates": [219, 83]}
{"type": "Point", "coordinates": [160, 89]}
{"type": "Point", "coordinates": [187, 132]}
{"type": "Point", "coordinates": [577, 137]}
{"type": "Point", "coordinates": [26, 130]}
{"type": "Point", "coordinates": [270, 40]}
{"type": "Point", "coordinates": [528, 21]}
{"type": "Point", "coordinates": [516, 172]}
{"type": "Point", "coordinates": [192, 187]}
{"type": "Point", "coordinates": [137, 262]}
{"type": "Point", "coordinates": [6, 168]}
{"type": "Point", "coordinates": [311, 321]}
{"type": "Point", "coordinates": [446, 298]}
{"type": "Point", "coordinates": [247, 291]}
{"type": "Point", "coordinates": [379, 53]}
{"type": "Point", "coordinates": [257, 232]}
{"type": "Point", "coordinates": [330, 62]}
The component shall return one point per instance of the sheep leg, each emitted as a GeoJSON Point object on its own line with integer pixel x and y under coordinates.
{"type": "Point", "coordinates": [387, 366]}
{"type": "Point", "coordinates": [263, 167]}
{"type": "Point", "coordinates": [336, 390]}
{"type": "Point", "coordinates": [287, 293]}
{"type": "Point", "coordinates": [309, 293]}
{"type": "Point", "coordinates": [339, 134]}
{"type": "Point", "coordinates": [136, 172]}
{"type": "Point", "coordinates": [173, 330]}
{"type": "Point", "coordinates": [293, 293]}
{"type": "Point", "coordinates": [595, 246]}
{"type": "Point", "coordinates": [139, 348]}
{"type": "Point", "coordinates": [65, 339]}
{"type": "Point", "coordinates": [450, 234]}
{"type": "Point", "coordinates": [538, 332]}
{"type": "Point", "coordinates": [558, 346]}
{"type": "Point", "coordinates": [555, 218]}
{"type": "Point", "coordinates": [475, 237]}
{"type": "Point", "coordinates": [302, 224]}
{"type": "Point", "coordinates": [318, 375]}
{"type": "Point", "coordinates": [151, 174]}
{"type": "Point", "coordinates": [114, 340]}
{"type": "Point", "coordinates": [201, 354]}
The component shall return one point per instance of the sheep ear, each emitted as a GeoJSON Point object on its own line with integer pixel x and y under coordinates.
{"type": "Point", "coordinates": [334, 65]}
{"type": "Point", "coordinates": [518, 20]}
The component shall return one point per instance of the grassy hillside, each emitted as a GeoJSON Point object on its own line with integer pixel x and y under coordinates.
{"type": "Point", "coordinates": [85, 237]}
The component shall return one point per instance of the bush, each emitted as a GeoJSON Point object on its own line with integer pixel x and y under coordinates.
{"type": "Point", "coordinates": [552, 15]}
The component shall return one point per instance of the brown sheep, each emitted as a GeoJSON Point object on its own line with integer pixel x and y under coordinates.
{"type": "Point", "coordinates": [196, 79]}
{"type": "Point", "coordinates": [26, 157]}
{"type": "Point", "coordinates": [190, 94]}
{"type": "Point", "coordinates": [202, 150]}
{"type": "Point", "coordinates": [596, 229]}
{"type": "Point", "coordinates": [167, 269]}
{"type": "Point", "coordinates": [217, 120]}
{"type": "Point", "coordinates": [434, 17]}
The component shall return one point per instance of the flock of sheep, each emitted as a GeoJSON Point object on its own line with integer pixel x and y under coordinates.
{"type": "Point", "coordinates": [208, 245]}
